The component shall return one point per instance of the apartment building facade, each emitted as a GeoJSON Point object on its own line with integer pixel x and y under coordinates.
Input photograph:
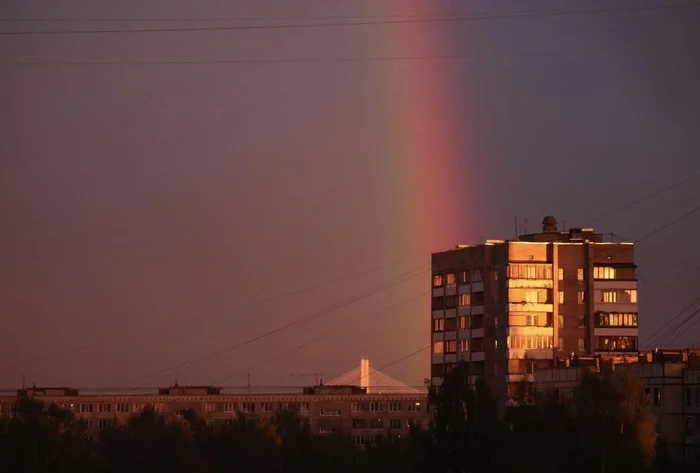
{"type": "Point", "coordinates": [509, 307]}
{"type": "Point", "coordinates": [347, 409]}
{"type": "Point", "coordinates": [671, 380]}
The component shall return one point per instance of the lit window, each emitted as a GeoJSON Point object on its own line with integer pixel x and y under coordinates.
{"type": "Point", "coordinates": [532, 296]}
{"type": "Point", "coordinates": [463, 346]}
{"type": "Point", "coordinates": [579, 274]}
{"type": "Point", "coordinates": [327, 430]}
{"type": "Point", "coordinates": [495, 345]}
{"type": "Point", "coordinates": [581, 297]}
{"type": "Point", "coordinates": [581, 321]}
{"type": "Point", "coordinates": [609, 296]}
{"type": "Point", "coordinates": [531, 320]}
{"type": "Point", "coordinates": [561, 297]}
{"type": "Point", "coordinates": [581, 344]}
{"type": "Point", "coordinates": [628, 295]}
{"type": "Point", "coordinates": [560, 320]}
{"type": "Point", "coordinates": [657, 397]}
{"type": "Point", "coordinates": [451, 346]}
{"type": "Point", "coordinates": [438, 325]}
{"type": "Point", "coordinates": [330, 412]}
{"type": "Point", "coordinates": [561, 274]}
{"type": "Point", "coordinates": [451, 279]}
{"type": "Point", "coordinates": [464, 323]}
{"type": "Point", "coordinates": [413, 407]}
{"type": "Point", "coordinates": [438, 347]}
{"type": "Point", "coordinates": [561, 344]}
{"type": "Point", "coordinates": [464, 277]}
{"type": "Point", "coordinates": [464, 299]}
{"type": "Point", "coordinates": [603, 272]}
{"type": "Point", "coordinates": [229, 407]}
{"type": "Point", "coordinates": [438, 280]}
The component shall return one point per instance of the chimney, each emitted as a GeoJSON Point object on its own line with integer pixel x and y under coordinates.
{"type": "Point", "coordinates": [364, 373]}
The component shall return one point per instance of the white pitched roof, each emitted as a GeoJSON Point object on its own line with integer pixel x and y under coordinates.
{"type": "Point", "coordinates": [378, 383]}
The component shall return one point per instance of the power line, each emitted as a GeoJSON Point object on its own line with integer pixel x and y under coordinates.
{"type": "Point", "coordinates": [315, 340]}
{"type": "Point", "coordinates": [202, 359]}
{"type": "Point", "coordinates": [665, 226]}
{"type": "Point", "coordinates": [352, 23]}
{"type": "Point", "coordinates": [644, 199]}
{"type": "Point", "coordinates": [657, 336]}
{"type": "Point", "coordinates": [311, 60]}
{"type": "Point", "coordinates": [200, 318]}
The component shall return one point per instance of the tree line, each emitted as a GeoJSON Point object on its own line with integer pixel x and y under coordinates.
{"type": "Point", "coordinates": [605, 426]}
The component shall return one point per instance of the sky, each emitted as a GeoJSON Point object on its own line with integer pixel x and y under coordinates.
{"type": "Point", "coordinates": [165, 222]}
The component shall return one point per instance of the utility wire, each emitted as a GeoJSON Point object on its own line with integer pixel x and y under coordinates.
{"type": "Point", "coordinates": [199, 318]}
{"type": "Point", "coordinates": [322, 337]}
{"type": "Point", "coordinates": [352, 23]}
{"type": "Point", "coordinates": [657, 336]}
{"type": "Point", "coordinates": [199, 360]}
{"type": "Point", "coordinates": [315, 60]}
{"type": "Point", "coordinates": [393, 363]}
{"type": "Point", "coordinates": [644, 199]}
{"type": "Point", "coordinates": [665, 226]}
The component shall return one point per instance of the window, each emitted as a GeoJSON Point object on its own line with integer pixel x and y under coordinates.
{"type": "Point", "coordinates": [438, 325]}
{"type": "Point", "coordinates": [603, 272]}
{"type": "Point", "coordinates": [438, 303]}
{"type": "Point", "coordinates": [413, 407]}
{"type": "Point", "coordinates": [85, 408]}
{"type": "Point", "coordinates": [464, 323]}
{"type": "Point", "coordinates": [438, 347]}
{"type": "Point", "coordinates": [561, 344]}
{"type": "Point", "coordinates": [451, 279]}
{"type": "Point", "coordinates": [229, 406]}
{"type": "Point", "coordinates": [327, 430]}
{"type": "Point", "coordinates": [465, 299]}
{"type": "Point", "coordinates": [688, 396]}
{"type": "Point", "coordinates": [477, 275]}
{"type": "Point", "coordinates": [104, 407]}
{"type": "Point", "coordinates": [358, 440]}
{"type": "Point", "coordinates": [561, 274]}
{"type": "Point", "coordinates": [209, 407]}
{"type": "Point", "coordinates": [616, 319]}
{"type": "Point", "coordinates": [581, 321]}
{"type": "Point", "coordinates": [330, 413]}
{"type": "Point", "coordinates": [266, 406]}
{"type": "Point", "coordinates": [560, 320]}
{"type": "Point", "coordinates": [689, 430]}
{"type": "Point", "coordinates": [103, 423]}
{"type": "Point", "coordinates": [158, 407]}
{"type": "Point", "coordinates": [88, 423]}
{"type": "Point", "coordinates": [394, 423]}
{"type": "Point", "coordinates": [579, 274]}
{"type": "Point", "coordinates": [529, 342]}
{"type": "Point", "coordinates": [137, 407]}
{"type": "Point", "coordinates": [122, 407]}
{"type": "Point", "coordinates": [697, 396]}
{"type": "Point", "coordinates": [628, 295]}
{"type": "Point", "coordinates": [438, 280]}
{"type": "Point", "coordinates": [358, 423]}
{"type": "Point", "coordinates": [376, 424]}
{"type": "Point", "coordinates": [621, 343]}
{"type": "Point", "coordinates": [529, 271]}
{"type": "Point", "coordinates": [450, 324]}
{"type": "Point", "coordinates": [561, 297]}
{"type": "Point", "coordinates": [356, 407]}
{"type": "Point", "coordinates": [657, 397]}
{"type": "Point", "coordinates": [375, 406]}
{"type": "Point", "coordinates": [581, 344]}
{"type": "Point", "coordinates": [581, 297]}
{"type": "Point", "coordinates": [248, 406]}
{"type": "Point", "coordinates": [451, 346]}
{"type": "Point", "coordinates": [303, 407]}
{"type": "Point", "coordinates": [609, 296]}
{"type": "Point", "coordinates": [463, 277]}
{"type": "Point", "coordinates": [451, 301]}
{"type": "Point", "coordinates": [463, 346]}
{"type": "Point", "coordinates": [394, 407]}
{"type": "Point", "coordinates": [495, 345]}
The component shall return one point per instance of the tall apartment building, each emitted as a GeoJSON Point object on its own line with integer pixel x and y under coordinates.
{"type": "Point", "coordinates": [507, 307]}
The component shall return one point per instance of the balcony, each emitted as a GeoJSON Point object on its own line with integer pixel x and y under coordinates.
{"type": "Point", "coordinates": [530, 353]}
{"type": "Point", "coordinates": [530, 307]}
{"type": "Point", "coordinates": [530, 283]}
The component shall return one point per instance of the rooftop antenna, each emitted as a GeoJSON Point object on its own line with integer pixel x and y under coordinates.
{"type": "Point", "coordinates": [563, 223]}
{"type": "Point", "coordinates": [516, 227]}
{"type": "Point", "coordinates": [526, 226]}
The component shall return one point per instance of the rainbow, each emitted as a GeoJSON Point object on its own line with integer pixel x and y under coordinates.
{"type": "Point", "coordinates": [425, 148]}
